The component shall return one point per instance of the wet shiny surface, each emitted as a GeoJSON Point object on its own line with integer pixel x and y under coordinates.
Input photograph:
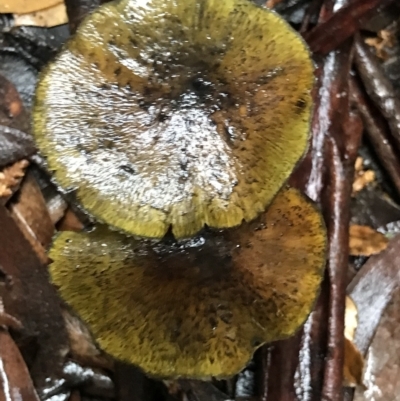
{"type": "Point", "coordinates": [176, 113]}
{"type": "Point", "coordinates": [196, 308]}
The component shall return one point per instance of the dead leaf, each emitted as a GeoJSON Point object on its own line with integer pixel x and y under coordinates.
{"type": "Point", "coordinates": [362, 177]}
{"type": "Point", "coordinates": [10, 179]}
{"type": "Point", "coordinates": [30, 212]}
{"type": "Point", "coordinates": [385, 40]}
{"type": "Point", "coordinates": [365, 241]}
{"type": "Point", "coordinates": [31, 205]}
{"type": "Point", "coordinates": [353, 365]}
{"type": "Point", "coordinates": [48, 17]}
{"type": "Point", "coordinates": [26, 6]}
{"type": "Point", "coordinates": [353, 360]}
{"type": "Point", "coordinates": [350, 319]}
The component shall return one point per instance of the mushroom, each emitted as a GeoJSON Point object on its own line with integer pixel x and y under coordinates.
{"type": "Point", "coordinates": [176, 113]}
{"type": "Point", "coordinates": [200, 307]}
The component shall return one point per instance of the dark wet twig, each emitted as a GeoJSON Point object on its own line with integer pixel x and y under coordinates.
{"type": "Point", "coordinates": [343, 24]}
{"type": "Point", "coordinates": [312, 12]}
{"type": "Point", "coordinates": [340, 175]}
{"type": "Point", "coordinates": [133, 385]}
{"type": "Point", "coordinates": [378, 87]}
{"type": "Point", "coordinates": [201, 391]}
{"type": "Point", "coordinates": [313, 348]}
{"type": "Point", "coordinates": [336, 136]}
{"type": "Point", "coordinates": [342, 143]}
{"type": "Point", "coordinates": [328, 169]}
{"type": "Point", "coordinates": [376, 130]}
{"type": "Point", "coordinates": [283, 360]}
{"type": "Point", "coordinates": [14, 145]}
{"type": "Point", "coordinates": [15, 383]}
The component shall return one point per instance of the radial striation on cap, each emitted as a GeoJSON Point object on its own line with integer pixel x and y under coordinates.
{"type": "Point", "coordinates": [176, 114]}
{"type": "Point", "coordinates": [201, 307]}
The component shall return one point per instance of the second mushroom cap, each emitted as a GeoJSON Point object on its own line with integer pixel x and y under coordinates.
{"type": "Point", "coordinates": [197, 308]}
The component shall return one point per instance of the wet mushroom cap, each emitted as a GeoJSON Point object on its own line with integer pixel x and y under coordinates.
{"type": "Point", "coordinates": [176, 114]}
{"type": "Point", "coordinates": [201, 307]}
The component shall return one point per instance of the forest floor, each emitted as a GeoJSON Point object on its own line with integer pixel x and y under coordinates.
{"type": "Point", "coordinates": [352, 170]}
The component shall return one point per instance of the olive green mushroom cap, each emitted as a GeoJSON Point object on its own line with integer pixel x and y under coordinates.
{"type": "Point", "coordinates": [201, 307]}
{"type": "Point", "coordinates": [176, 113]}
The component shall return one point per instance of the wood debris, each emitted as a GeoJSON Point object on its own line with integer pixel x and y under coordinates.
{"type": "Point", "coordinates": [10, 179]}
{"type": "Point", "coordinates": [384, 40]}
{"type": "Point", "coordinates": [362, 177]}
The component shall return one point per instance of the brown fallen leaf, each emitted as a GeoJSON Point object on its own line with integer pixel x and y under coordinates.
{"type": "Point", "coordinates": [10, 179]}
{"type": "Point", "coordinates": [365, 241]}
{"type": "Point", "coordinates": [29, 210]}
{"type": "Point", "coordinates": [25, 6]}
{"type": "Point", "coordinates": [353, 360]}
{"type": "Point", "coordinates": [353, 365]}
{"type": "Point", "coordinates": [350, 319]}
{"type": "Point", "coordinates": [48, 17]}
{"type": "Point", "coordinates": [31, 205]}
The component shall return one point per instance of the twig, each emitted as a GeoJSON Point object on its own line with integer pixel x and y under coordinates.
{"type": "Point", "coordinates": [313, 10]}
{"type": "Point", "coordinates": [378, 87]}
{"type": "Point", "coordinates": [16, 383]}
{"type": "Point", "coordinates": [343, 24]}
{"type": "Point", "coordinates": [283, 361]}
{"type": "Point", "coordinates": [376, 129]}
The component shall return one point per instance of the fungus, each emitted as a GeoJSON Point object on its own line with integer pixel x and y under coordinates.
{"type": "Point", "coordinates": [176, 114]}
{"type": "Point", "coordinates": [200, 307]}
